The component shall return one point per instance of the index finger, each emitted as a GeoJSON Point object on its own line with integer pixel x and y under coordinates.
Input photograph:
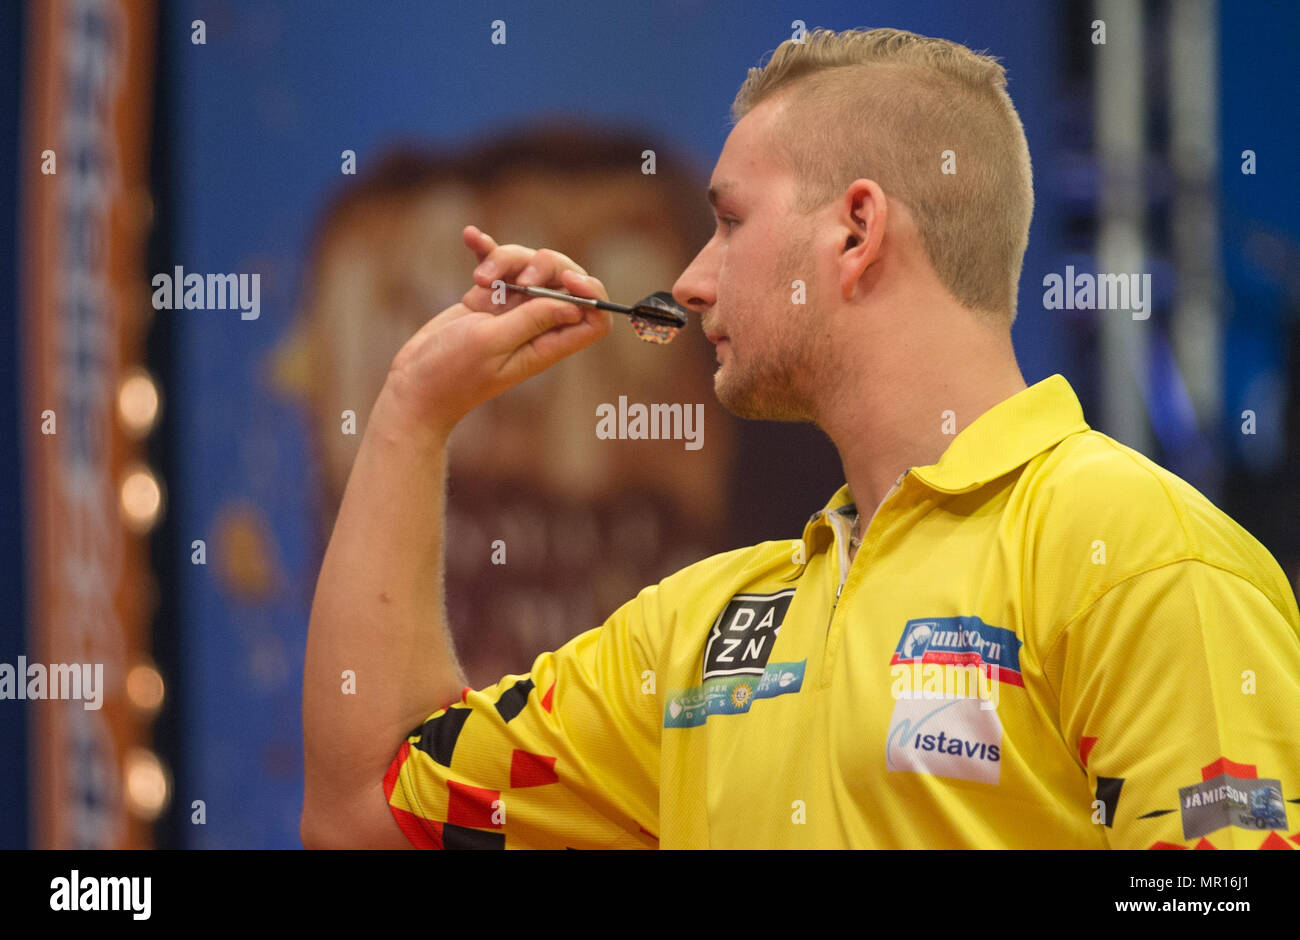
{"type": "Point", "coordinates": [478, 241]}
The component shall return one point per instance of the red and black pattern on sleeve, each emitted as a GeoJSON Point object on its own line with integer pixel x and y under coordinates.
{"type": "Point", "coordinates": [471, 810]}
{"type": "Point", "coordinates": [420, 832]}
{"type": "Point", "coordinates": [513, 700]}
{"type": "Point", "coordinates": [437, 737]}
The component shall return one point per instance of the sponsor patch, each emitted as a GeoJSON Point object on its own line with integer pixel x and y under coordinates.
{"type": "Point", "coordinates": [741, 639]}
{"type": "Point", "coordinates": [954, 738]}
{"type": "Point", "coordinates": [960, 641]}
{"type": "Point", "coordinates": [731, 695]}
{"type": "Point", "coordinates": [1230, 794]}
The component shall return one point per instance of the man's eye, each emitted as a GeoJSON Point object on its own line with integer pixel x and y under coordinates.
{"type": "Point", "coordinates": [728, 223]}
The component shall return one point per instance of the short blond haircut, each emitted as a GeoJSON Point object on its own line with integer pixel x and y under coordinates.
{"type": "Point", "coordinates": [885, 104]}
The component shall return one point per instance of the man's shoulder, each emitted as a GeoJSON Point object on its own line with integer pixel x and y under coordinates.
{"type": "Point", "coordinates": [737, 567]}
{"type": "Point", "coordinates": [1096, 502]}
{"type": "Point", "coordinates": [1090, 475]}
{"type": "Point", "coordinates": [703, 587]}
{"type": "Point", "coordinates": [1091, 480]}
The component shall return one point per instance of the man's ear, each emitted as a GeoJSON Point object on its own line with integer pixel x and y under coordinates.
{"type": "Point", "coordinates": [863, 210]}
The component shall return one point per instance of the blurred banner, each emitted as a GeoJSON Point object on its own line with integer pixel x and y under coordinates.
{"type": "Point", "coordinates": [84, 309]}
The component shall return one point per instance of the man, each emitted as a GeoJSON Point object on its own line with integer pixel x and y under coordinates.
{"type": "Point", "coordinates": [1006, 630]}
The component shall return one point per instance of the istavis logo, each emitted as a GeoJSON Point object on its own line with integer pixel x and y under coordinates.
{"type": "Point", "coordinates": [963, 660]}
{"type": "Point", "coordinates": [955, 739]}
{"type": "Point", "coordinates": [742, 637]}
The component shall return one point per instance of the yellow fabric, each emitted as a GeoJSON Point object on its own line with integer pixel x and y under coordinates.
{"type": "Point", "coordinates": [1091, 632]}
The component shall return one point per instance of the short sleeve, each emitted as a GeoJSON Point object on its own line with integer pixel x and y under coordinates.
{"type": "Point", "coordinates": [565, 756]}
{"type": "Point", "coordinates": [1179, 690]}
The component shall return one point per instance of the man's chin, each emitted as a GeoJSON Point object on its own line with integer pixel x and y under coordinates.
{"type": "Point", "coordinates": [745, 400]}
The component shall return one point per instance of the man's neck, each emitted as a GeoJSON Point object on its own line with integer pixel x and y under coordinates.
{"type": "Point", "coordinates": [892, 415]}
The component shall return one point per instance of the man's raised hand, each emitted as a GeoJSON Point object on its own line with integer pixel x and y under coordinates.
{"type": "Point", "coordinates": [476, 349]}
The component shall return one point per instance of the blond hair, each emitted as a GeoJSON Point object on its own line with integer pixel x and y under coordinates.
{"type": "Point", "coordinates": [886, 104]}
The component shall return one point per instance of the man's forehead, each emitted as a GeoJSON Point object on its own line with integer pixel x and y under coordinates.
{"type": "Point", "coordinates": [749, 182]}
{"type": "Point", "coordinates": [746, 162]}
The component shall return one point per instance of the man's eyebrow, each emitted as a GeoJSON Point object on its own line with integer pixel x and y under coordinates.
{"type": "Point", "coordinates": [718, 190]}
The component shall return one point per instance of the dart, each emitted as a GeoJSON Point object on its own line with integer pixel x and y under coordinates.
{"type": "Point", "coordinates": [655, 319]}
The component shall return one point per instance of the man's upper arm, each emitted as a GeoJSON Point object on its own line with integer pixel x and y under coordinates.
{"type": "Point", "coordinates": [565, 756]}
{"type": "Point", "coordinates": [1179, 689]}
{"type": "Point", "coordinates": [366, 824]}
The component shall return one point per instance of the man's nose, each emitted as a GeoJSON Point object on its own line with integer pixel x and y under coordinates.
{"type": "Point", "coordinates": [695, 289]}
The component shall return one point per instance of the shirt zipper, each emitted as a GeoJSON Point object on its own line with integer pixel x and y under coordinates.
{"type": "Point", "coordinates": [845, 564]}
{"type": "Point", "coordinates": [835, 520]}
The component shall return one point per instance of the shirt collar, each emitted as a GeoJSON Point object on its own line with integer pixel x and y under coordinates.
{"type": "Point", "coordinates": [1005, 437]}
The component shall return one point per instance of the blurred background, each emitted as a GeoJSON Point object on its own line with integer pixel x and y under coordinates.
{"type": "Point", "coordinates": [170, 477]}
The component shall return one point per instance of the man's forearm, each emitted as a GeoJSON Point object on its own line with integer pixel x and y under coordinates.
{"type": "Point", "coordinates": [378, 610]}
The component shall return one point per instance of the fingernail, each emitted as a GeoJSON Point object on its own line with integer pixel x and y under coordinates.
{"type": "Point", "coordinates": [528, 276]}
{"type": "Point", "coordinates": [486, 269]}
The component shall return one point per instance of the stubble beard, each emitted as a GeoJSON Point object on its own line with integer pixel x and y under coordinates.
{"type": "Point", "coordinates": [774, 382]}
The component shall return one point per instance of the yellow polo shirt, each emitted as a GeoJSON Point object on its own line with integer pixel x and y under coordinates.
{"type": "Point", "coordinates": [1044, 641]}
